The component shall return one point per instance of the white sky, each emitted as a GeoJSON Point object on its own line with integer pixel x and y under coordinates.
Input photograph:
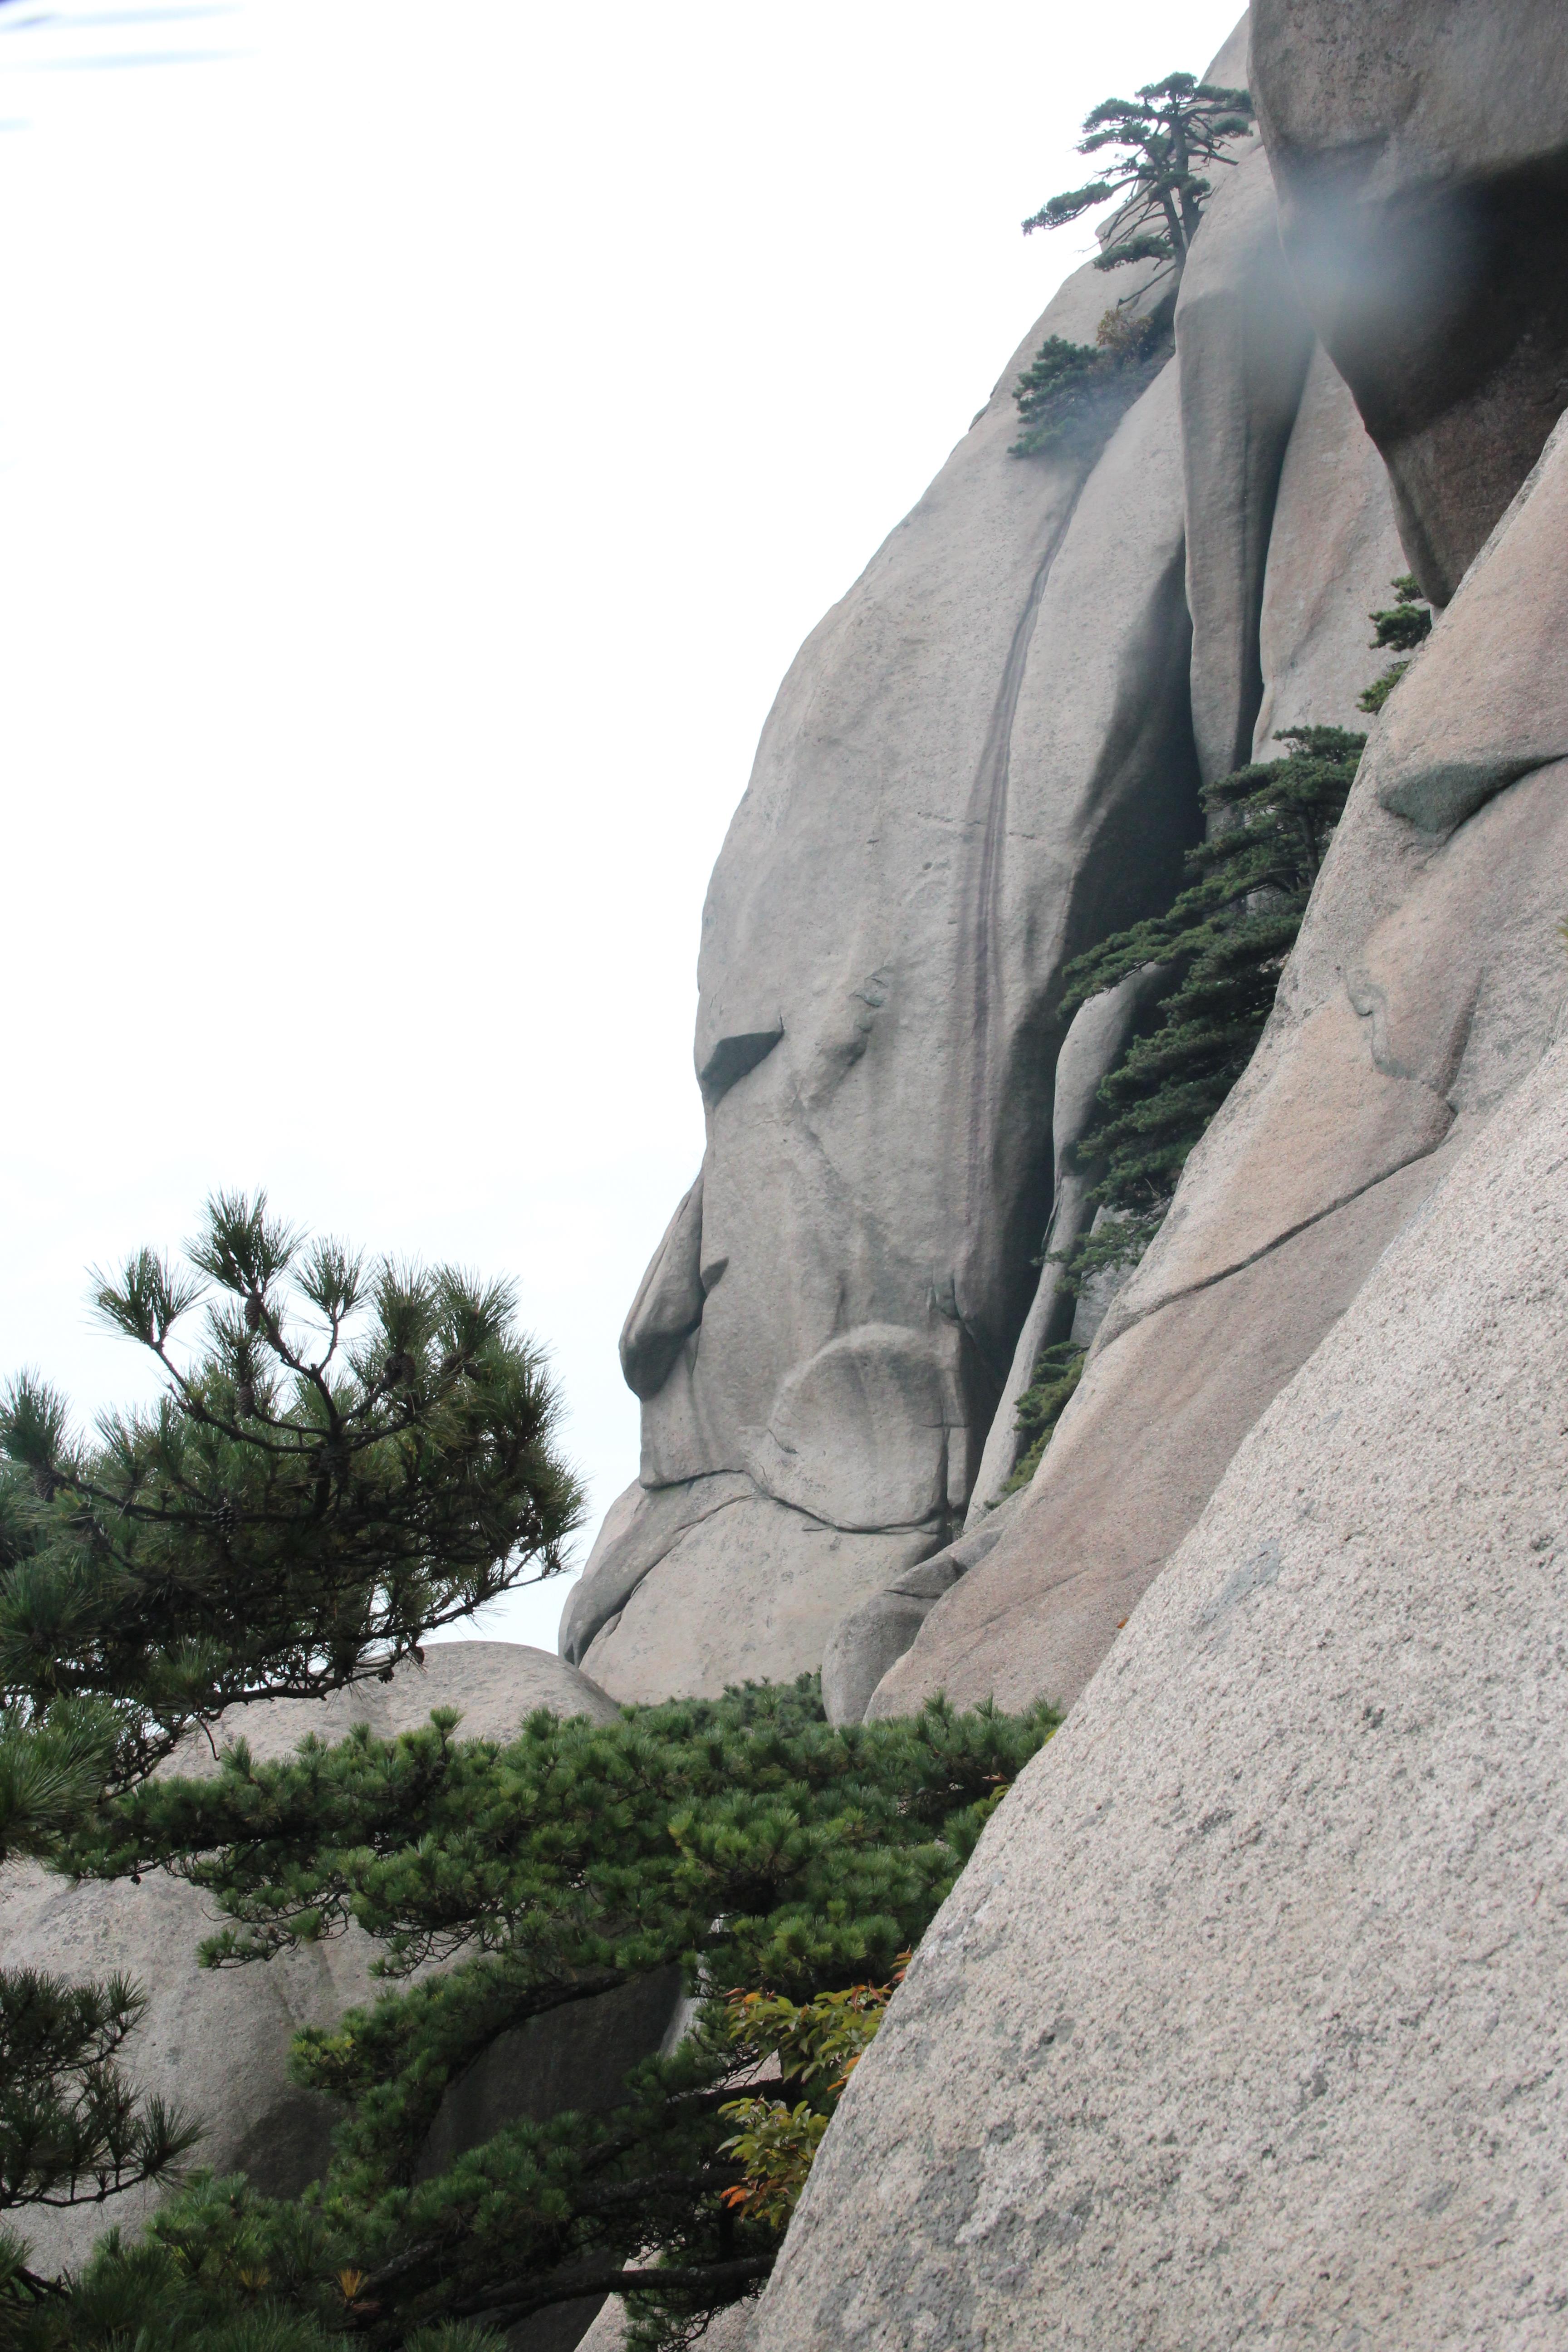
{"type": "Point", "coordinates": [426, 436]}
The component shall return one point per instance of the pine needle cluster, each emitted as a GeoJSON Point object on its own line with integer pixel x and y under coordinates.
{"type": "Point", "coordinates": [743, 1841]}
{"type": "Point", "coordinates": [353, 1454]}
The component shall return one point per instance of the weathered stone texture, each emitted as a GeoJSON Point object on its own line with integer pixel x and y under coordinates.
{"type": "Point", "coordinates": [752, 1591]}
{"type": "Point", "coordinates": [1093, 1044]}
{"type": "Point", "coordinates": [1494, 704]}
{"type": "Point", "coordinates": [1420, 149]}
{"type": "Point", "coordinates": [1247, 2024]}
{"type": "Point", "coordinates": [1333, 554]}
{"type": "Point", "coordinates": [980, 762]}
{"type": "Point", "coordinates": [1427, 980]}
{"type": "Point", "coordinates": [1243, 342]}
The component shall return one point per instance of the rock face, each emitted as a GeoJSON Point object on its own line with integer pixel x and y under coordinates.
{"type": "Point", "coordinates": [981, 761]}
{"type": "Point", "coordinates": [1421, 154]}
{"type": "Point", "coordinates": [1101, 1029]}
{"type": "Point", "coordinates": [1244, 342]}
{"type": "Point", "coordinates": [1334, 552]}
{"type": "Point", "coordinates": [218, 2042]}
{"type": "Point", "coordinates": [1429, 980]}
{"type": "Point", "coordinates": [1247, 2022]}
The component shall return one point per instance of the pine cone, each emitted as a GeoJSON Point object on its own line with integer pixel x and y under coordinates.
{"type": "Point", "coordinates": [245, 1398]}
{"type": "Point", "coordinates": [253, 1311]}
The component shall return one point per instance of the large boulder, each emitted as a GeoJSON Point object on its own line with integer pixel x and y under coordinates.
{"type": "Point", "coordinates": [1421, 154]}
{"type": "Point", "coordinates": [1248, 2021]}
{"type": "Point", "coordinates": [1427, 980]}
{"type": "Point", "coordinates": [217, 2042]}
{"type": "Point", "coordinates": [980, 763]}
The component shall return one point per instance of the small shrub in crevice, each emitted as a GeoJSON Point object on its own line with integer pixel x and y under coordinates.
{"type": "Point", "coordinates": [1225, 939]}
{"type": "Point", "coordinates": [1073, 397]}
{"type": "Point", "coordinates": [1404, 625]}
{"type": "Point", "coordinates": [1042, 1405]}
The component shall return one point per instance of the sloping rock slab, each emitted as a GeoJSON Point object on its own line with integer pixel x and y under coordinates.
{"type": "Point", "coordinates": [1248, 2022]}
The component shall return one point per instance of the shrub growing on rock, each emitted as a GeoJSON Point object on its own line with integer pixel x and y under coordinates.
{"type": "Point", "coordinates": [1225, 939]}
{"type": "Point", "coordinates": [1406, 625]}
{"type": "Point", "coordinates": [1042, 1405]}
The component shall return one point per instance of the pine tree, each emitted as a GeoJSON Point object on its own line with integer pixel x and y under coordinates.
{"type": "Point", "coordinates": [1166, 135]}
{"type": "Point", "coordinates": [786, 1866]}
{"type": "Point", "coordinates": [353, 1453]}
{"type": "Point", "coordinates": [1073, 394]}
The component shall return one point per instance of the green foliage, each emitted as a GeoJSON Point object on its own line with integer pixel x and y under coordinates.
{"type": "Point", "coordinates": [820, 2041]}
{"type": "Point", "coordinates": [743, 1840]}
{"type": "Point", "coordinates": [1163, 137]}
{"type": "Point", "coordinates": [1224, 941]}
{"type": "Point", "coordinates": [1042, 1404]}
{"type": "Point", "coordinates": [1407, 623]}
{"type": "Point", "coordinates": [353, 1454]}
{"type": "Point", "coordinates": [817, 2044]}
{"type": "Point", "coordinates": [1372, 698]}
{"type": "Point", "coordinates": [52, 1767]}
{"type": "Point", "coordinates": [359, 1451]}
{"type": "Point", "coordinates": [1071, 397]}
{"type": "Point", "coordinates": [72, 2131]}
{"type": "Point", "coordinates": [776, 2146]}
{"type": "Point", "coordinates": [1404, 624]}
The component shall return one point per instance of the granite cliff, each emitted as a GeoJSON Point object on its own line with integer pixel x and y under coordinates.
{"type": "Point", "coordinates": [1243, 2025]}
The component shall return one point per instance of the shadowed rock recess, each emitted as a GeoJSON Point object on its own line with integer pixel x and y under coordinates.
{"type": "Point", "coordinates": [1243, 2025]}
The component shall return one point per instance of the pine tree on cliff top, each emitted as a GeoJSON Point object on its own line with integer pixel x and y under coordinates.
{"type": "Point", "coordinates": [1165, 142]}
{"type": "Point", "coordinates": [354, 1455]}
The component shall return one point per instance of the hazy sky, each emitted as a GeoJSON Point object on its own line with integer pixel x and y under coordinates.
{"type": "Point", "coordinates": [426, 436]}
